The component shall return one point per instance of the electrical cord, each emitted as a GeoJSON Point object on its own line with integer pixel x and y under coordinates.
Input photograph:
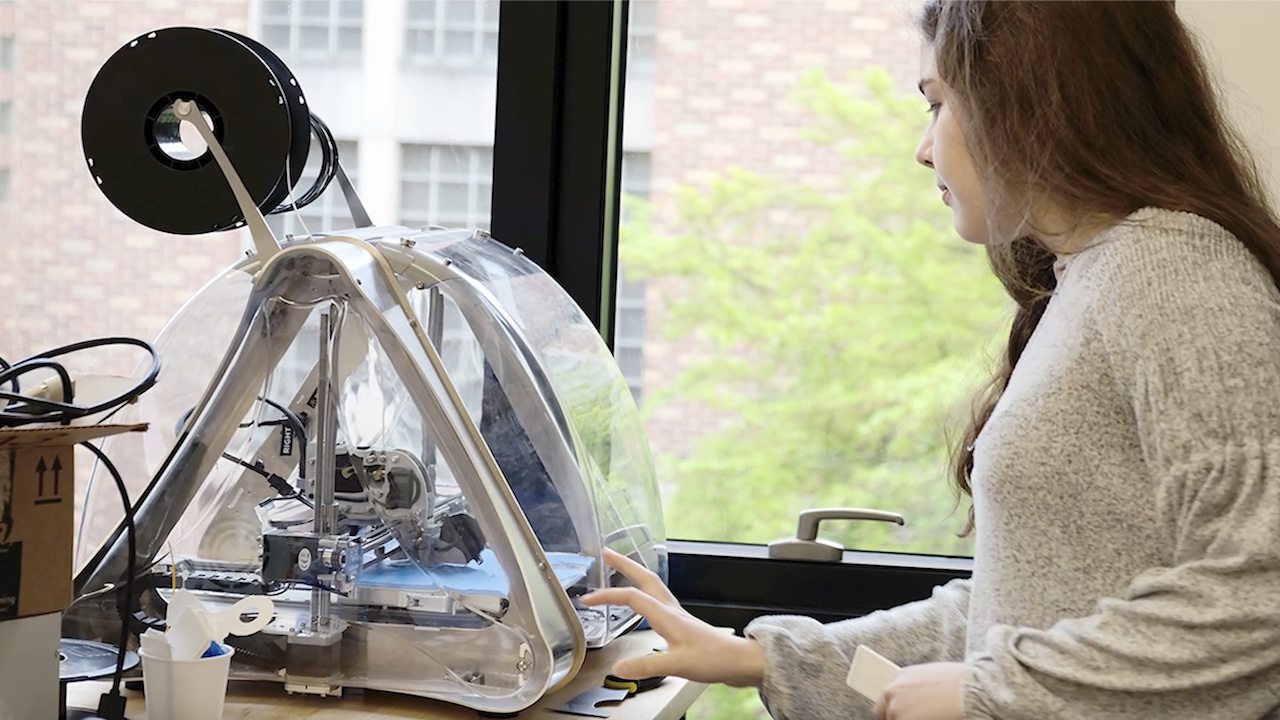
{"type": "Point", "coordinates": [277, 483]}
{"type": "Point", "coordinates": [299, 428]}
{"type": "Point", "coordinates": [22, 409]}
{"type": "Point", "coordinates": [296, 423]}
{"type": "Point", "coordinates": [13, 382]}
{"type": "Point", "coordinates": [111, 704]}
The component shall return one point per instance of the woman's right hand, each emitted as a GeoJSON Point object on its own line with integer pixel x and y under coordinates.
{"type": "Point", "coordinates": [695, 650]}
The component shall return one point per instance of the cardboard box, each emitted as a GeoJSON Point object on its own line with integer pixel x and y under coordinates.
{"type": "Point", "coordinates": [37, 508]}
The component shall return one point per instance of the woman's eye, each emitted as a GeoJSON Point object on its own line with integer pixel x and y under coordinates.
{"type": "Point", "coordinates": [934, 107]}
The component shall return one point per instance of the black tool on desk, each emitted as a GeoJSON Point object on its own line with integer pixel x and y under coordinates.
{"type": "Point", "coordinates": [635, 686]}
{"type": "Point", "coordinates": [614, 689]}
{"type": "Point", "coordinates": [613, 682]}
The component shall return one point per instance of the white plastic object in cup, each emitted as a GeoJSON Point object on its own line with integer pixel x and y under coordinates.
{"type": "Point", "coordinates": [186, 689]}
{"type": "Point", "coordinates": [228, 622]}
{"type": "Point", "coordinates": [189, 635]}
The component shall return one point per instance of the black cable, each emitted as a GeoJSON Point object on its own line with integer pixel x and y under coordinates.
{"type": "Point", "coordinates": [299, 430]}
{"type": "Point", "coordinates": [22, 410]}
{"type": "Point", "coordinates": [277, 483]}
{"type": "Point", "coordinates": [112, 699]}
{"type": "Point", "coordinates": [328, 167]}
{"type": "Point", "coordinates": [295, 421]}
{"type": "Point", "coordinates": [20, 406]}
{"type": "Point", "coordinates": [13, 382]}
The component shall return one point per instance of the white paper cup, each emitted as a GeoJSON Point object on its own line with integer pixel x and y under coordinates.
{"type": "Point", "coordinates": [186, 689]}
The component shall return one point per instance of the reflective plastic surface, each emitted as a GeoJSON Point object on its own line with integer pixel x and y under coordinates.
{"type": "Point", "coordinates": [416, 444]}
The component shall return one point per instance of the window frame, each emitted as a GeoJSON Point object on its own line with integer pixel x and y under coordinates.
{"type": "Point", "coordinates": [333, 27]}
{"type": "Point", "coordinates": [556, 193]}
{"type": "Point", "coordinates": [439, 26]}
{"type": "Point", "coordinates": [644, 63]}
{"type": "Point", "coordinates": [8, 53]}
{"type": "Point", "coordinates": [474, 178]}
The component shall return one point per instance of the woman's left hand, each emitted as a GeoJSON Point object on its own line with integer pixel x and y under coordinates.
{"type": "Point", "coordinates": [924, 692]}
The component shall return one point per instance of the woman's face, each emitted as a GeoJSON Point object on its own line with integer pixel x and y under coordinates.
{"type": "Point", "coordinates": [944, 150]}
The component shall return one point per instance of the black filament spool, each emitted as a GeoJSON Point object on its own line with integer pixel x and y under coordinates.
{"type": "Point", "coordinates": [300, 140]}
{"type": "Point", "coordinates": [130, 133]}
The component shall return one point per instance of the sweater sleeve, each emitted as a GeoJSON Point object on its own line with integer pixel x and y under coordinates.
{"type": "Point", "coordinates": [1194, 342]}
{"type": "Point", "coordinates": [806, 662]}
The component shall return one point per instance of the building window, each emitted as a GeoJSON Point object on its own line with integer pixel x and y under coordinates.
{"type": "Point", "coordinates": [6, 53]}
{"type": "Point", "coordinates": [628, 337]}
{"type": "Point", "coordinates": [317, 28]}
{"type": "Point", "coordinates": [454, 32]}
{"type": "Point", "coordinates": [446, 185]}
{"type": "Point", "coordinates": [6, 118]}
{"type": "Point", "coordinates": [4, 184]}
{"type": "Point", "coordinates": [327, 212]}
{"type": "Point", "coordinates": [635, 177]}
{"type": "Point", "coordinates": [642, 29]}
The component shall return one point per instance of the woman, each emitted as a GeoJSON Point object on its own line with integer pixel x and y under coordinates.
{"type": "Point", "coordinates": [1125, 462]}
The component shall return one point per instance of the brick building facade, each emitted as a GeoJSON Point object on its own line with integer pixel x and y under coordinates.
{"type": "Point", "coordinates": [71, 265]}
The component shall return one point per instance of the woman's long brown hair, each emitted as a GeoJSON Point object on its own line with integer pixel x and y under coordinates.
{"type": "Point", "coordinates": [1103, 107]}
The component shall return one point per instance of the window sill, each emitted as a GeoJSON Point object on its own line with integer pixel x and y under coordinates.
{"type": "Point", "coordinates": [728, 585]}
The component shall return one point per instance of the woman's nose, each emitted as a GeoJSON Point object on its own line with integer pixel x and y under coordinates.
{"type": "Point", "coordinates": [924, 151]}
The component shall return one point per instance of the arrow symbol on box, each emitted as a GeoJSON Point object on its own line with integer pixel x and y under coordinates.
{"type": "Point", "coordinates": [41, 469]}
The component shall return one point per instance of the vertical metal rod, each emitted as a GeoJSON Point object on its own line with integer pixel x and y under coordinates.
{"type": "Point", "coordinates": [326, 449]}
{"type": "Point", "coordinates": [435, 334]}
{"type": "Point", "coordinates": [435, 318]}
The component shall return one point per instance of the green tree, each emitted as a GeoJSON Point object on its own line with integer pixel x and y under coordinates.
{"type": "Point", "coordinates": [841, 326]}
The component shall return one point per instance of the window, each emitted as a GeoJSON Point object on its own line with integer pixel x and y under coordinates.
{"type": "Point", "coordinates": [642, 35]}
{"type": "Point", "coordinates": [6, 53]}
{"type": "Point", "coordinates": [635, 178]}
{"type": "Point", "coordinates": [4, 184]}
{"type": "Point", "coordinates": [793, 348]}
{"type": "Point", "coordinates": [455, 32]}
{"type": "Point", "coordinates": [628, 343]}
{"type": "Point", "coordinates": [796, 345]}
{"type": "Point", "coordinates": [327, 212]}
{"type": "Point", "coordinates": [445, 185]}
{"type": "Point", "coordinates": [6, 118]}
{"type": "Point", "coordinates": [320, 28]}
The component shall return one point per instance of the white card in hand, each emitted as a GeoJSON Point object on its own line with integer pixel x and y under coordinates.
{"type": "Point", "coordinates": [870, 673]}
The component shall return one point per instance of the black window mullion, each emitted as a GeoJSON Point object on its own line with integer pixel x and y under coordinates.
{"type": "Point", "coordinates": [555, 185]}
{"type": "Point", "coordinates": [592, 177]}
{"type": "Point", "coordinates": [527, 126]}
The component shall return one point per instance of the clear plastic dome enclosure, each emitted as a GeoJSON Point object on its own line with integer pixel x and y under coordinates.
{"type": "Point", "coordinates": [415, 443]}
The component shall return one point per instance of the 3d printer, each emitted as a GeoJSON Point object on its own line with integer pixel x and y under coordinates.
{"type": "Point", "coordinates": [413, 440]}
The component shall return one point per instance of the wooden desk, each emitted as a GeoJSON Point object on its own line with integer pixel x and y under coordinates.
{"type": "Point", "coordinates": [268, 701]}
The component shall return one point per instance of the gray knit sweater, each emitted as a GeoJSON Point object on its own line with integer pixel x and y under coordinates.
{"type": "Point", "coordinates": [1127, 498]}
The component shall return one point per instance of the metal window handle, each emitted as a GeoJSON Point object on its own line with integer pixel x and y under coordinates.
{"type": "Point", "coordinates": [806, 545]}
